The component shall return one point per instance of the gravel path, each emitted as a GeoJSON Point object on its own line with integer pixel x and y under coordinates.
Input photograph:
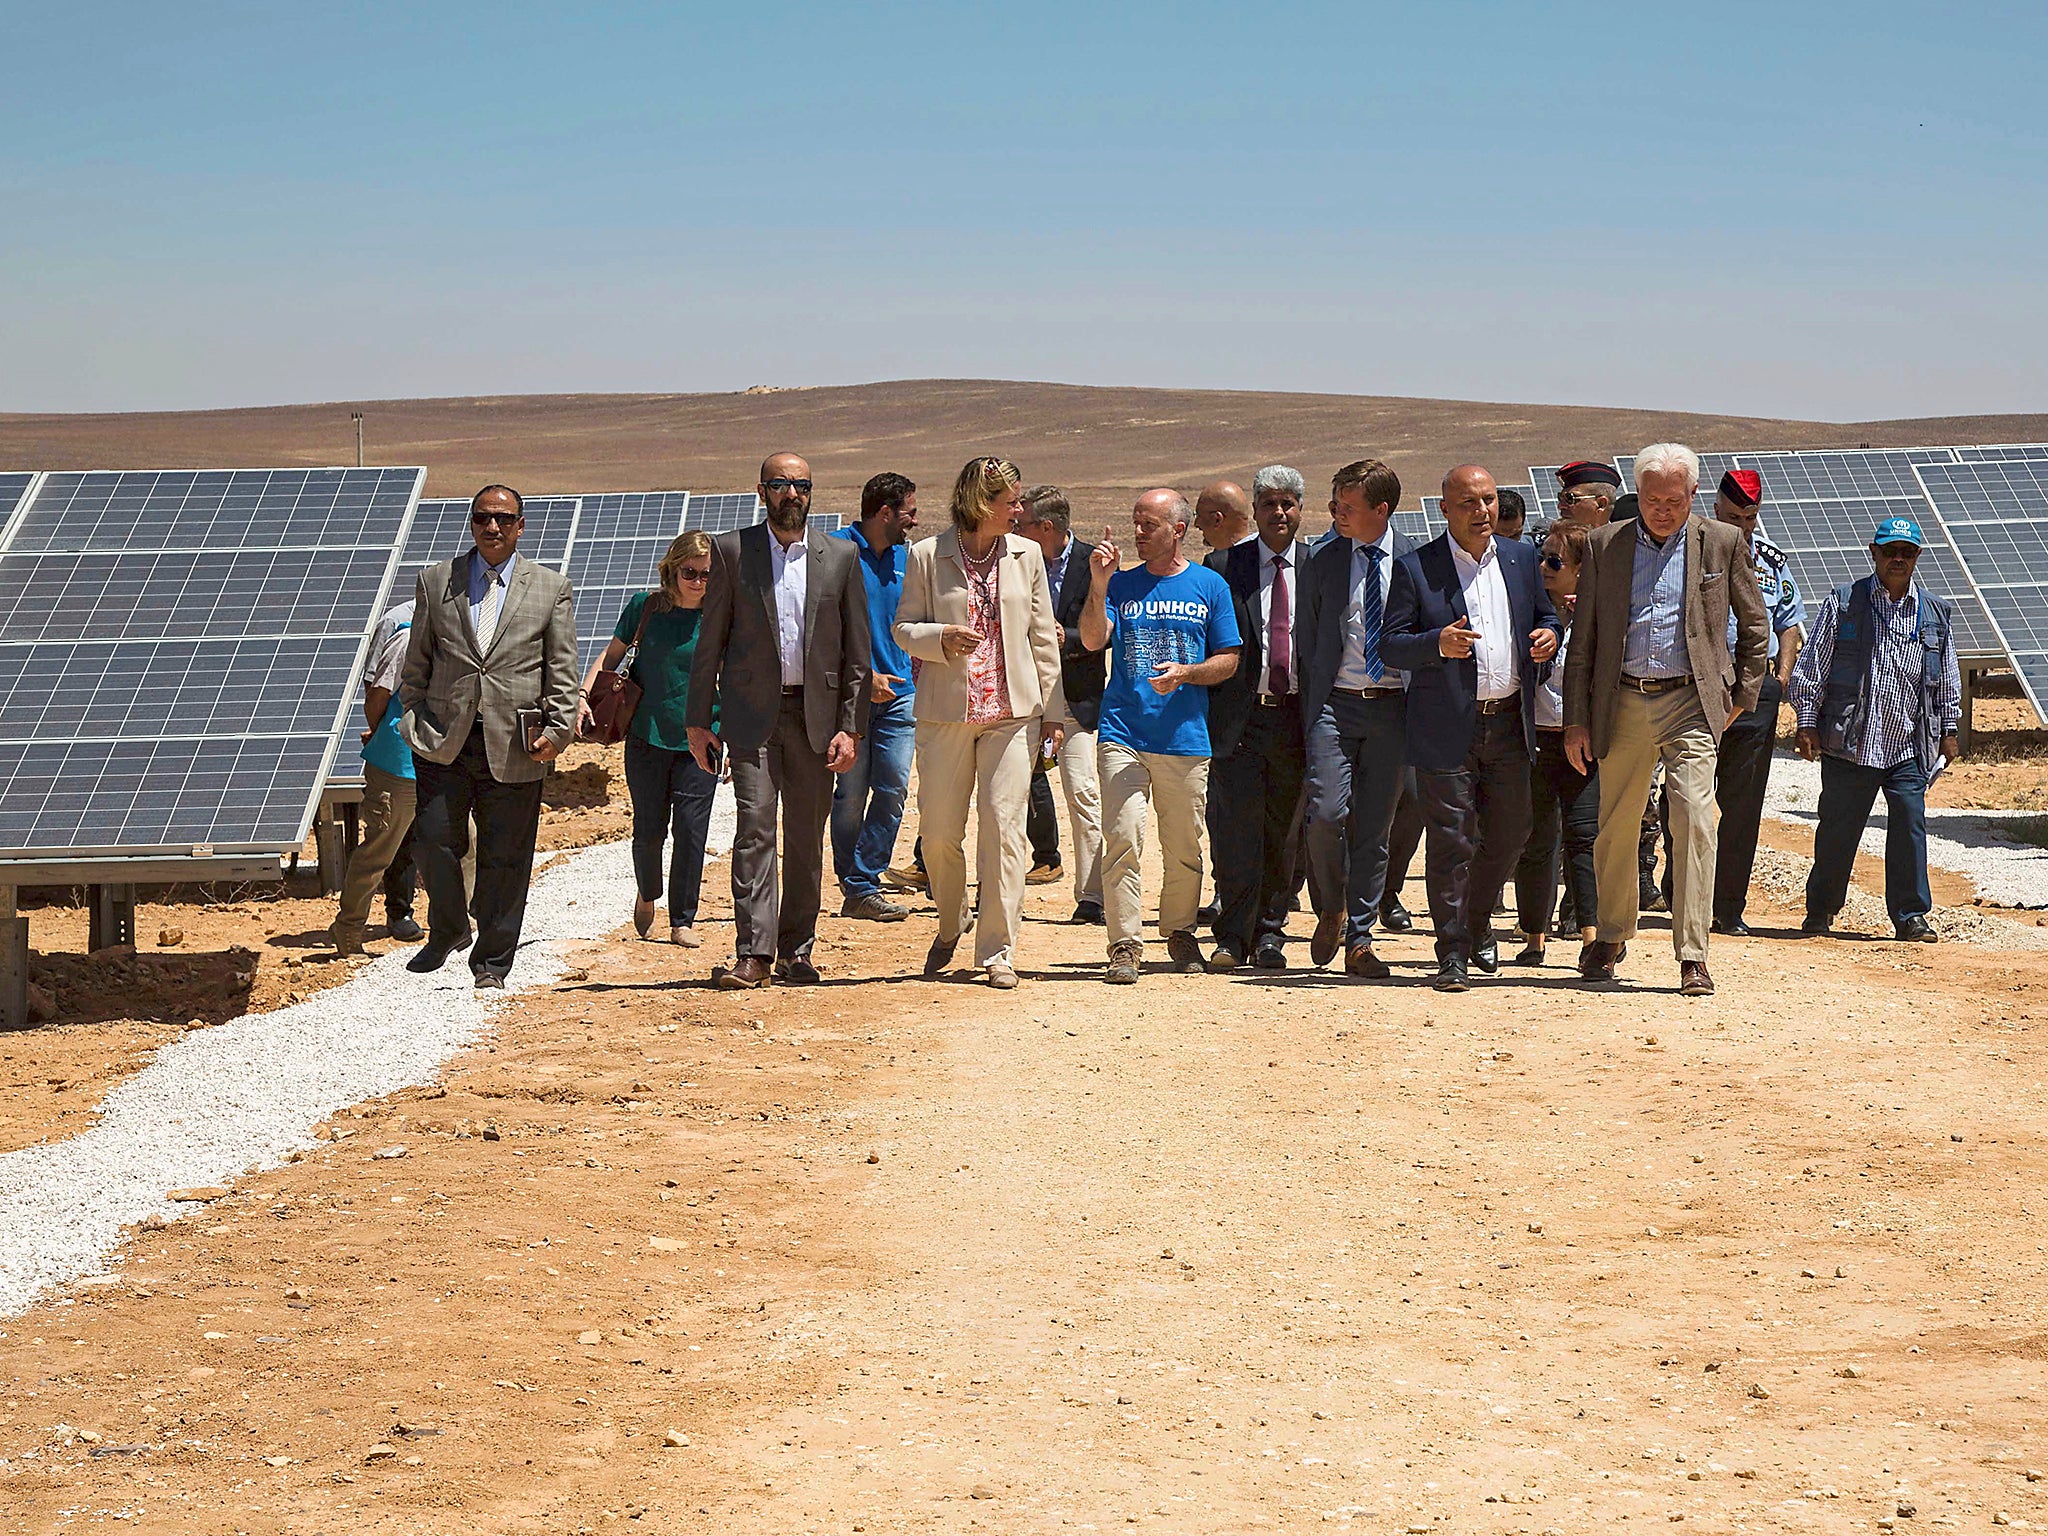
{"type": "Point", "coordinates": [223, 1101]}
{"type": "Point", "coordinates": [2006, 872]}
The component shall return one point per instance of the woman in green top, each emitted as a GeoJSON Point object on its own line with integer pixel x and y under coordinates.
{"type": "Point", "coordinates": [668, 789]}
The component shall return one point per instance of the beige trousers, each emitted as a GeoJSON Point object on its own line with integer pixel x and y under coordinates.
{"type": "Point", "coordinates": [1083, 790]}
{"type": "Point", "coordinates": [1178, 789]}
{"type": "Point", "coordinates": [992, 764]}
{"type": "Point", "coordinates": [1648, 729]}
{"type": "Point", "coordinates": [388, 803]}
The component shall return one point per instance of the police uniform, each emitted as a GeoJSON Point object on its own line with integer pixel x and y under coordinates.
{"type": "Point", "coordinates": [1743, 772]}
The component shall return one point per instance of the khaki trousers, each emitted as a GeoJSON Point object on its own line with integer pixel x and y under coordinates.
{"type": "Point", "coordinates": [992, 764]}
{"type": "Point", "coordinates": [387, 814]}
{"type": "Point", "coordinates": [1648, 729]}
{"type": "Point", "coordinates": [1083, 790]}
{"type": "Point", "coordinates": [1176, 787]}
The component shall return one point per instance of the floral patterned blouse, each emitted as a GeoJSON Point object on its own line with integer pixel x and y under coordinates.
{"type": "Point", "coordinates": [988, 681]}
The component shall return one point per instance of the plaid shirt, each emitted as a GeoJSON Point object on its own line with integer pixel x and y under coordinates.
{"type": "Point", "coordinates": [1895, 660]}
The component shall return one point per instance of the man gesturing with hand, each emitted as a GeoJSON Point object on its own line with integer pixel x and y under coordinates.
{"type": "Point", "coordinates": [1171, 635]}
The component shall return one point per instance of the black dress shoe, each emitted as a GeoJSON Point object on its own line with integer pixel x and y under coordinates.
{"type": "Point", "coordinates": [1486, 957]}
{"type": "Point", "coordinates": [1395, 918]}
{"type": "Point", "coordinates": [432, 956]}
{"type": "Point", "coordinates": [1209, 914]}
{"type": "Point", "coordinates": [1531, 954]}
{"type": "Point", "coordinates": [403, 928]}
{"type": "Point", "coordinates": [489, 981]}
{"type": "Point", "coordinates": [1451, 976]}
{"type": "Point", "coordinates": [1815, 923]}
{"type": "Point", "coordinates": [1225, 957]}
{"type": "Point", "coordinates": [1917, 930]}
{"type": "Point", "coordinates": [1328, 938]}
{"type": "Point", "coordinates": [1087, 912]}
{"type": "Point", "coordinates": [796, 970]}
{"type": "Point", "coordinates": [1733, 927]}
{"type": "Point", "coordinates": [1271, 955]}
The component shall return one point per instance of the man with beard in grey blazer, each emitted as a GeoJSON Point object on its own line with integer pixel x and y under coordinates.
{"type": "Point", "coordinates": [782, 652]}
{"type": "Point", "coordinates": [489, 694]}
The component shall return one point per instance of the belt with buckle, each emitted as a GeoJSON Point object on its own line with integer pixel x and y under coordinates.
{"type": "Point", "coordinates": [1500, 706]}
{"type": "Point", "coordinates": [1655, 685]}
{"type": "Point", "coordinates": [1380, 692]}
{"type": "Point", "coordinates": [791, 690]}
{"type": "Point", "coordinates": [1275, 700]}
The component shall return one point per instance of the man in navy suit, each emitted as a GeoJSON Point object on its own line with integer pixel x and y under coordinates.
{"type": "Point", "coordinates": [1353, 713]}
{"type": "Point", "coordinates": [1468, 618]}
{"type": "Point", "coordinates": [1255, 732]}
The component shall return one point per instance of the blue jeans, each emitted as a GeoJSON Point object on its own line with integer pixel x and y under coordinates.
{"type": "Point", "coordinates": [867, 802]}
{"type": "Point", "coordinates": [1846, 792]}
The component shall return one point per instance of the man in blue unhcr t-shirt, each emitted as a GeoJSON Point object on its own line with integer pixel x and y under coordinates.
{"type": "Point", "coordinates": [1172, 636]}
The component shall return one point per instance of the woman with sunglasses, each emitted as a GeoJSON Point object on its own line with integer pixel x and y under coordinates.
{"type": "Point", "coordinates": [1564, 804]}
{"type": "Point", "coordinates": [669, 791]}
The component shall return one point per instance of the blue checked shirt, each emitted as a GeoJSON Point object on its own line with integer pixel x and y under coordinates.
{"type": "Point", "coordinates": [1655, 643]}
{"type": "Point", "coordinates": [1895, 653]}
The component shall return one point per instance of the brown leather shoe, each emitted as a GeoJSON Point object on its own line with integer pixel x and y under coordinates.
{"type": "Point", "coordinates": [1328, 938]}
{"type": "Point", "coordinates": [1599, 958]}
{"type": "Point", "coordinates": [1361, 961]}
{"type": "Point", "coordinates": [1693, 980]}
{"type": "Point", "coordinates": [940, 955]}
{"type": "Point", "coordinates": [750, 971]}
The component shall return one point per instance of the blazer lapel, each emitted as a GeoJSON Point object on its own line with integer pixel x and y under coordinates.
{"type": "Point", "coordinates": [458, 593]}
{"type": "Point", "coordinates": [757, 572]}
{"type": "Point", "coordinates": [1695, 558]}
{"type": "Point", "coordinates": [1444, 573]}
{"type": "Point", "coordinates": [814, 562]}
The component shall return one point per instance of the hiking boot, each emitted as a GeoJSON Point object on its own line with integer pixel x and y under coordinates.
{"type": "Point", "coordinates": [875, 908]}
{"type": "Point", "coordinates": [1123, 964]}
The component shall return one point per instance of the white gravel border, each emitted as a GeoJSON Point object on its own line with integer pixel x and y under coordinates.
{"type": "Point", "coordinates": [236, 1098]}
{"type": "Point", "coordinates": [2006, 872]}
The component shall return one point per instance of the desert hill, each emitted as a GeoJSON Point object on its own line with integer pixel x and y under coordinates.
{"type": "Point", "coordinates": [1102, 443]}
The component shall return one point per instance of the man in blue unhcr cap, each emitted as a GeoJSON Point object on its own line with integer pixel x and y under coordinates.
{"type": "Point", "coordinates": [1878, 696]}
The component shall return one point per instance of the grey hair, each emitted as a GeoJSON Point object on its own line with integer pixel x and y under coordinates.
{"type": "Point", "coordinates": [1048, 504]}
{"type": "Point", "coordinates": [1278, 477]}
{"type": "Point", "coordinates": [1662, 458]}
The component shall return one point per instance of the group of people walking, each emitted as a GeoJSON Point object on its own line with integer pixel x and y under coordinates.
{"type": "Point", "coordinates": [1308, 710]}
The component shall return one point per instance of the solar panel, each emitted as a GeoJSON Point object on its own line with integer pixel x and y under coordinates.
{"type": "Point", "coordinates": [618, 550]}
{"type": "Point", "coordinates": [722, 514]}
{"type": "Point", "coordinates": [1420, 526]}
{"type": "Point", "coordinates": [177, 649]}
{"type": "Point", "coordinates": [1992, 452]}
{"type": "Point", "coordinates": [13, 486]}
{"type": "Point", "coordinates": [1996, 514]}
{"type": "Point", "coordinates": [440, 531]}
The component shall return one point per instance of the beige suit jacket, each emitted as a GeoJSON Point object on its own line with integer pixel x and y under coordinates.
{"type": "Point", "coordinates": [449, 683]}
{"type": "Point", "coordinates": [935, 595]}
{"type": "Point", "coordinates": [1720, 576]}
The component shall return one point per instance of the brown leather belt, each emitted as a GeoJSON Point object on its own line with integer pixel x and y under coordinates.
{"type": "Point", "coordinates": [791, 690]}
{"type": "Point", "coordinates": [1499, 706]}
{"type": "Point", "coordinates": [1371, 693]}
{"type": "Point", "coordinates": [1655, 685]}
{"type": "Point", "coordinates": [1276, 700]}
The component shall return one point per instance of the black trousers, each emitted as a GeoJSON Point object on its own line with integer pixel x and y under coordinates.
{"type": "Point", "coordinates": [1564, 809]}
{"type": "Point", "coordinates": [400, 881]}
{"type": "Point", "coordinates": [1478, 820]}
{"type": "Point", "coordinates": [507, 823]}
{"type": "Point", "coordinates": [1403, 838]}
{"type": "Point", "coordinates": [1041, 819]}
{"type": "Point", "coordinates": [1741, 775]}
{"type": "Point", "coordinates": [1254, 808]}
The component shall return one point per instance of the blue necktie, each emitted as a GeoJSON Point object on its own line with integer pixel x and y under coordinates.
{"type": "Point", "coordinates": [1369, 609]}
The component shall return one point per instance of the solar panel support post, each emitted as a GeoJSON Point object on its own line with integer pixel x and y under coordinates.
{"type": "Point", "coordinates": [13, 963]}
{"type": "Point", "coordinates": [111, 916]}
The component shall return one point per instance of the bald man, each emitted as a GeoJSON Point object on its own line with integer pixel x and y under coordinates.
{"type": "Point", "coordinates": [1223, 515]}
{"type": "Point", "coordinates": [1470, 623]}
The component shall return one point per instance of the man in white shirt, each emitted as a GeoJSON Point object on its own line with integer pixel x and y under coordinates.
{"type": "Point", "coordinates": [1468, 618]}
{"type": "Point", "coordinates": [1256, 733]}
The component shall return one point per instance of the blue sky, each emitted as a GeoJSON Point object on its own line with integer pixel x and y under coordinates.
{"type": "Point", "coordinates": [1792, 209]}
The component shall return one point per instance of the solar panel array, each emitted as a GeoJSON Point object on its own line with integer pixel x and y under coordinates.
{"type": "Point", "coordinates": [1996, 514]}
{"type": "Point", "coordinates": [1994, 451]}
{"type": "Point", "coordinates": [176, 649]}
{"type": "Point", "coordinates": [440, 531]}
{"type": "Point", "coordinates": [1429, 522]}
{"type": "Point", "coordinates": [617, 553]}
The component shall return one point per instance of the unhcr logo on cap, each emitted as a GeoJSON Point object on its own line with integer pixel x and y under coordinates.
{"type": "Point", "coordinates": [1898, 530]}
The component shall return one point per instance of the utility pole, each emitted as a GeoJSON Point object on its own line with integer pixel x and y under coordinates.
{"type": "Point", "coordinates": [357, 418]}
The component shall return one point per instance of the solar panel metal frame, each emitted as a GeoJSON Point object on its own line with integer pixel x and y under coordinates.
{"type": "Point", "coordinates": [251, 859]}
{"type": "Point", "coordinates": [1993, 453]}
{"type": "Point", "coordinates": [2021, 625]}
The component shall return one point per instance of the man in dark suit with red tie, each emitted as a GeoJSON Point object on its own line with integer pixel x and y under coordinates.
{"type": "Point", "coordinates": [1255, 732]}
{"type": "Point", "coordinates": [1470, 622]}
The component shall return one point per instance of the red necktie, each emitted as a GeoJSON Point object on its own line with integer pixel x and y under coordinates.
{"type": "Point", "coordinates": [1279, 631]}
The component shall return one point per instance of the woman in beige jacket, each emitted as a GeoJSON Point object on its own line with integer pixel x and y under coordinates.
{"type": "Point", "coordinates": [976, 617]}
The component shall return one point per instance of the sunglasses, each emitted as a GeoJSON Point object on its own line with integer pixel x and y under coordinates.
{"type": "Point", "coordinates": [801, 487]}
{"type": "Point", "coordinates": [504, 519]}
{"type": "Point", "coordinates": [1553, 562]}
{"type": "Point", "coordinates": [687, 574]}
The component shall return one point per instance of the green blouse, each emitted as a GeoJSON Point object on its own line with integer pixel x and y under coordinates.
{"type": "Point", "coordinates": [662, 669]}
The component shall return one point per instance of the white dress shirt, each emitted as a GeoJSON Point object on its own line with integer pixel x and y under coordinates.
{"type": "Point", "coordinates": [1486, 602]}
{"type": "Point", "coordinates": [790, 569]}
{"type": "Point", "coordinates": [1351, 671]}
{"type": "Point", "coordinates": [1269, 572]}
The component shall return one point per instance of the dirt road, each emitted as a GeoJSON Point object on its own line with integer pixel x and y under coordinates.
{"type": "Point", "coordinates": [1209, 1255]}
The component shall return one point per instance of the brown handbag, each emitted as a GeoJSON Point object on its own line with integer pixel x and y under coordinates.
{"type": "Point", "coordinates": [614, 695]}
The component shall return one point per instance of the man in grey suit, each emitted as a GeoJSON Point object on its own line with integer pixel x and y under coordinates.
{"type": "Point", "coordinates": [493, 638]}
{"type": "Point", "coordinates": [1354, 712]}
{"type": "Point", "coordinates": [782, 651]}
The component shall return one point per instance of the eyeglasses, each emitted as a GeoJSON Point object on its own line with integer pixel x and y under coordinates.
{"type": "Point", "coordinates": [779, 483]}
{"type": "Point", "coordinates": [1553, 562]}
{"type": "Point", "coordinates": [688, 574]}
{"type": "Point", "coordinates": [1581, 497]}
{"type": "Point", "coordinates": [504, 519]}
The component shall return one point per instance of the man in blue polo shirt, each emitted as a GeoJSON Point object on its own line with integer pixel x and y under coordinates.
{"type": "Point", "coordinates": [867, 802]}
{"type": "Point", "coordinates": [1172, 635]}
